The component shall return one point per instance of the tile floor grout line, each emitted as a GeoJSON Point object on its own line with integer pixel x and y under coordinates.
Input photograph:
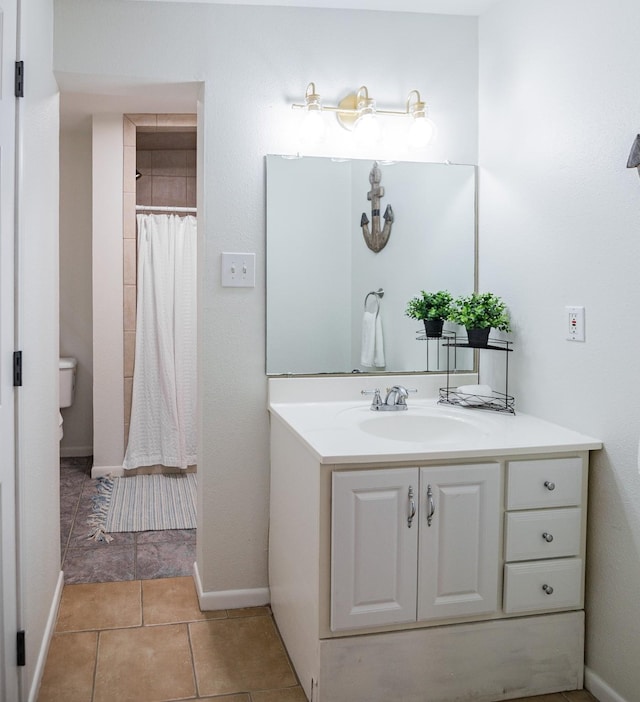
{"type": "Point", "coordinates": [95, 668]}
{"type": "Point", "coordinates": [86, 480]}
{"type": "Point", "coordinates": [286, 652]}
{"type": "Point", "coordinates": [196, 686]}
{"type": "Point", "coordinates": [73, 518]}
{"type": "Point", "coordinates": [142, 622]}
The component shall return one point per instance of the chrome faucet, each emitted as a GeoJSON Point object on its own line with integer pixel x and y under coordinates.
{"type": "Point", "coordinates": [396, 399]}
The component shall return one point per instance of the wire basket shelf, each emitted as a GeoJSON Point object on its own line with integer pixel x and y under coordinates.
{"type": "Point", "coordinates": [497, 401]}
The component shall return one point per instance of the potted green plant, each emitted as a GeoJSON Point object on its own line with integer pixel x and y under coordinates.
{"type": "Point", "coordinates": [479, 313]}
{"type": "Point", "coordinates": [433, 309]}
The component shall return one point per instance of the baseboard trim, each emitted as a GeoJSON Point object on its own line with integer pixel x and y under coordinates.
{"type": "Point", "coordinates": [599, 688]}
{"type": "Point", "coordinates": [75, 451]}
{"type": "Point", "coordinates": [104, 471]}
{"type": "Point", "coordinates": [229, 599]}
{"type": "Point", "coordinates": [46, 640]}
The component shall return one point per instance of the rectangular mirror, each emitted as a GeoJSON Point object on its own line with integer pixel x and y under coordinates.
{"type": "Point", "coordinates": [320, 269]}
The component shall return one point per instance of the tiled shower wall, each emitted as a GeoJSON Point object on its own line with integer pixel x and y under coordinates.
{"type": "Point", "coordinates": [163, 149]}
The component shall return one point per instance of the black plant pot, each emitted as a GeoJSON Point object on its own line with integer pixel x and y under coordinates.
{"type": "Point", "coordinates": [433, 327]}
{"type": "Point", "coordinates": [478, 337]}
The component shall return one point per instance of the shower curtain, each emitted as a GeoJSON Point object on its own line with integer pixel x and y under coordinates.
{"type": "Point", "coordinates": [162, 429]}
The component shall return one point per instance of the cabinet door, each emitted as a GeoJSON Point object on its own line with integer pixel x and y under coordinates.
{"type": "Point", "coordinates": [373, 548]}
{"type": "Point", "coordinates": [458, 566]}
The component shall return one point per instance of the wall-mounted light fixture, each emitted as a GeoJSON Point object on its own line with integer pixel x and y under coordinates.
{"type": "Point", "coordinates": [358, 113]}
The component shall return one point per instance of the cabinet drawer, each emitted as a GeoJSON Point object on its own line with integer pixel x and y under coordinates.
{"type": "Point", "coordinates": [544, 533]}
{"type": "Point", "coordinates": [543, 585]}
{"type": "Point", "coordinates": [552, 482]}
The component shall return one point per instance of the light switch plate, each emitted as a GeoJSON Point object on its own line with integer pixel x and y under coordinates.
{"type": "Point", "coordinates": [238, 270]}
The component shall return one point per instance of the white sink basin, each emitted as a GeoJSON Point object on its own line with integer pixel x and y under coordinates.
{"type": "Point", "coordinates": [423, 427]}
{"type": "Point", "coordinates": [342, 432]}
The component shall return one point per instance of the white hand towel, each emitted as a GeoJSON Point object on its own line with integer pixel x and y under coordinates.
{"type": "Point", "coordinates": [372, 349]}
{"type": "Point", "coordinates": [378, 358]}
{"type": "Point", "coordinates": [474, 394]}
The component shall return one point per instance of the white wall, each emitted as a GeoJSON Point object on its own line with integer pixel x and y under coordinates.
{"type": "Point", "coordinates": [108, 350]}
{"type": "Point", "coordinates": [559, 225]}
{"type": "Point", "coordinates": [254, 63]}
{"type": "Point", "coordinates": [75, 285]}
{"type": "Point", "coordinates": [37, 299]}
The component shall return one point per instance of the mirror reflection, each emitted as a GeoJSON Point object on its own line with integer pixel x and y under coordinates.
{"type": "Point", "coordinates": [320, 269]}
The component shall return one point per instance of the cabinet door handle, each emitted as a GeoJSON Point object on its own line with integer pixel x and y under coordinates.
{"type": "Point", "coordinates": [548, 589]}
{"type": "Point", "coordinates": [549, 485]}
{"type": "Point", "coordinates": [412, 507]}
{"type": "Point", "coordinates": [547, 537]}
{"type": "Point", "coordinates": [431, 507]}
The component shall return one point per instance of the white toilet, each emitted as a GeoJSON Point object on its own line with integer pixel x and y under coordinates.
{"type": "Point", "coordinates": [67, 372]}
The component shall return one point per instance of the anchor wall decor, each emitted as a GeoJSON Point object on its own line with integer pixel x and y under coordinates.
{"type": "Point", "coordinates": [634, 156]}
{"type": "Point", "coordinates": [376, 239]}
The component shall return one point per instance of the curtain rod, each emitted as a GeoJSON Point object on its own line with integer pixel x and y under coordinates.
{"type": "Point", "coordinates": [166, 209]}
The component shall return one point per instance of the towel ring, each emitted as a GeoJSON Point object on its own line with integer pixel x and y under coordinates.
{"type": "Point", "coordinates": [378, 294]}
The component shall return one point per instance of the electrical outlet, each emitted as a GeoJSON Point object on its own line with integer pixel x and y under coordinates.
{"type": "Point", "coordinates": [575, 323]}
{"type": "Point", "coordinates": [238, 270]}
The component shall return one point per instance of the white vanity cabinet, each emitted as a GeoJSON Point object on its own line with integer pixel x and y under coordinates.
{"type": "Point", "coordinates": [420, 575]}
{"type": "Point", "coordinates": [414, 544]}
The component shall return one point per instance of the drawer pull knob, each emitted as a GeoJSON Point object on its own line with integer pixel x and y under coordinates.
{"type": "Point", "coordinates": [548, 589]}
{"type": "Point", "coordinates": [547, 537]}
{"type": "Point", "coordinates": [549, 485]}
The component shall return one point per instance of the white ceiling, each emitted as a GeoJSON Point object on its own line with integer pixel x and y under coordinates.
{"type": "Point", "coordinates": [443, 7]}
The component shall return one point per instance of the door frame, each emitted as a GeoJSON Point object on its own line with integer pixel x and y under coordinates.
{"type": "Point", "coordinates": [9, 612]}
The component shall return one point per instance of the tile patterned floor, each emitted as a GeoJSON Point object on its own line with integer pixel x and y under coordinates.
{"type": "Point", "coordinates": [130, 629]}
{"type": "Point", "coordinates": [148, 641]}
{"type": "Point", "coordinates": [130, 556]}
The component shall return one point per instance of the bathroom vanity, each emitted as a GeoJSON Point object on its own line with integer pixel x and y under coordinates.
{"type": "Point", "coordinates": [435, 554]}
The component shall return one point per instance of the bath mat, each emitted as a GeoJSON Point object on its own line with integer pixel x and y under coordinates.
{"type": "Point", "coordinates": [143, 503]}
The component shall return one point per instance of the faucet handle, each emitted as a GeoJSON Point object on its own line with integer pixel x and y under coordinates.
{"type": "Point", "coordinates": [377, 400]}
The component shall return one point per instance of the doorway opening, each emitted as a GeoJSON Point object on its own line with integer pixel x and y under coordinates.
{"type": "Point", "coordinates": [131, 555]}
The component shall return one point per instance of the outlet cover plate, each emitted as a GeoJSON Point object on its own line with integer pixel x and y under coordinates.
{"type": "Point", "coordinates": [575, 323]}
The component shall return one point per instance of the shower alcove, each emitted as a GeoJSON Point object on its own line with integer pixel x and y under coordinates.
{"type": "Point", "coordinates": [164, 177]}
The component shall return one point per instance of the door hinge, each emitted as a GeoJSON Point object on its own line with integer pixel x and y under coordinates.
{"type": "Point", "coordinates": [17, 369]}
{"type": "Point", "coordinates": [19, 79]}
{"type": "Point", "coordinates": [21, 649]}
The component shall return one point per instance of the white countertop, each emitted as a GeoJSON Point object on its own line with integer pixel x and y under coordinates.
{"type": "Point", "coordinates": [334, 432]}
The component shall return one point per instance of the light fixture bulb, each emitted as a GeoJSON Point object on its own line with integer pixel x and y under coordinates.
{"type": "Point", "coordinates": [421, 132]}
{"type": "Point", "coordinates": [312, 129]}
{"type": "Point", "coordinates": [367, 128]}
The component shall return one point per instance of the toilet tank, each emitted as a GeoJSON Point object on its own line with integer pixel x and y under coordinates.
{"type": "Point", "coordinates": [67, 380]}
